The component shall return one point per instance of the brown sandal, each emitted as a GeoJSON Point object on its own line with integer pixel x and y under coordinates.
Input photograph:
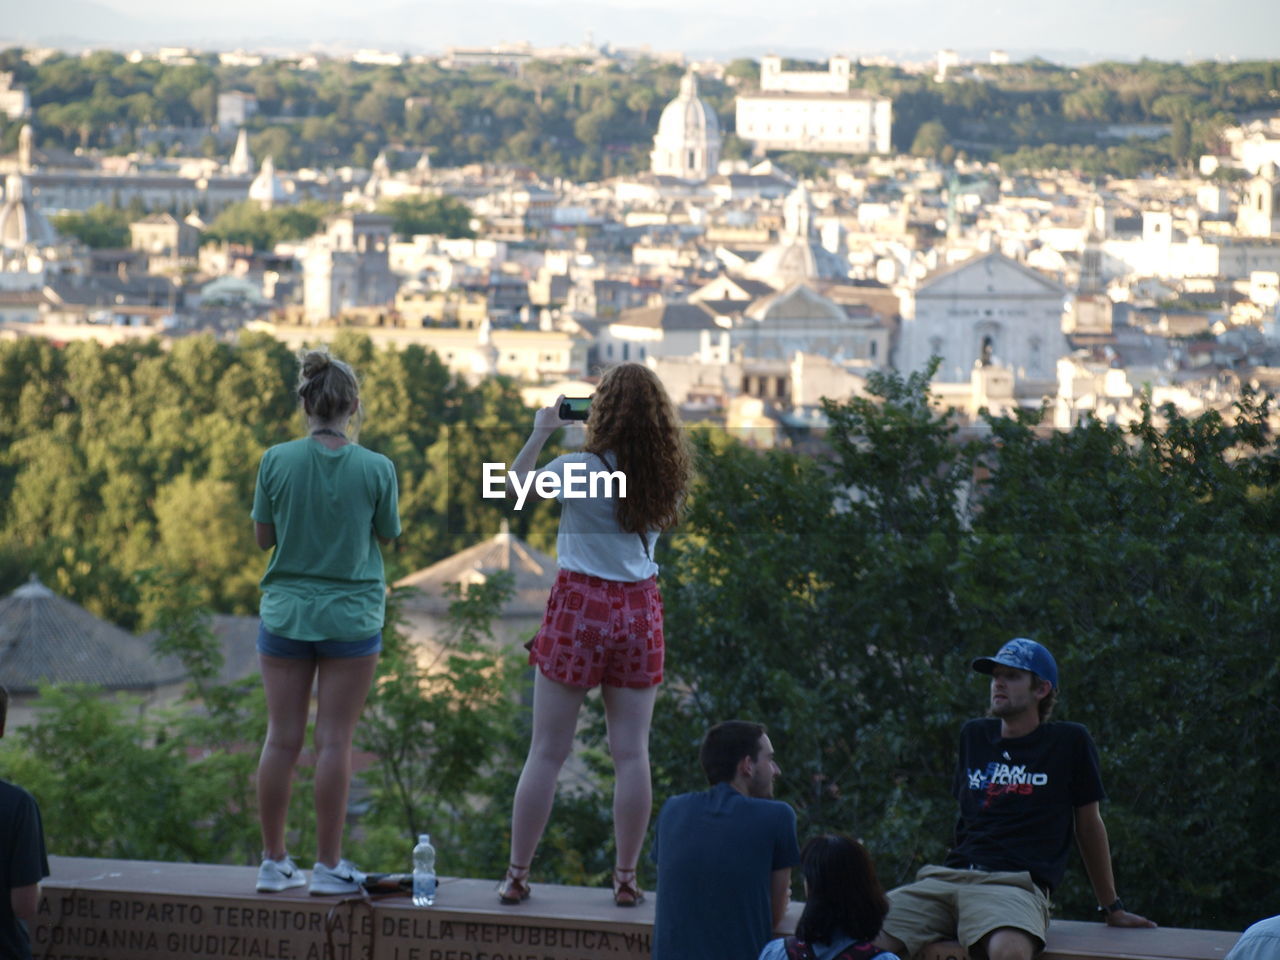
{"type": "Point", "coordinates": [514, 887]}
{"type": "Point", "coordinates": [626, 892]}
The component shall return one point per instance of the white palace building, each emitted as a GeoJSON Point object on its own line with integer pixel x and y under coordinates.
{"type": "Point", "coordinates": [813, 111]}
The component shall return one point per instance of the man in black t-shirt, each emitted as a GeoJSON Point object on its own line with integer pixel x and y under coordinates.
{"type": "Point", "coordinates": [1026, 788]}
{"type": "Point", "coordinates": [22, 861]}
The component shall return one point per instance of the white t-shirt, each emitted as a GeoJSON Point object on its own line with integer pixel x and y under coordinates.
{"type": "Point", "coordinates": [590, 540]}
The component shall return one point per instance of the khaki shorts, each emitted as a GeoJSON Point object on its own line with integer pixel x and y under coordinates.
{"type": "Point", "coordinates": [965, 905]}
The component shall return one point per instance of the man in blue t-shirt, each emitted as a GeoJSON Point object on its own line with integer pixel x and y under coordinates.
{"type": "Point", "coordinates": [1026, 789]}
{"type": "Point", "coordinates": [724, 855]}
{"type": "Point", "coordinates": [22, 861]}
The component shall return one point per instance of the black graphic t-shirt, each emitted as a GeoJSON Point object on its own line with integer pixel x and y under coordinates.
{"type": "Point", "coordinates": [1018, 797]}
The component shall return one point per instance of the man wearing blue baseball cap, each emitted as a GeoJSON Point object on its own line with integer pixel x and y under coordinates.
{"type": "Point", "coordinates": [1026, 789]}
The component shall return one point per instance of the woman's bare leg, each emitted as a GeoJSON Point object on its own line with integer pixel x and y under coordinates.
{"type": "Point", "coordinates": [628, 714]}
{"type": "Point", "coordinates": [288, 686]}
{"type": "Point", "coordinates": [555, 717]}
{"type": "Point", "coordinates": [341, 692]}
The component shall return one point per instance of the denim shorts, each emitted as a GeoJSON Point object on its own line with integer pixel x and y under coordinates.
{"type": "Point", "coordinates": [274, 645]}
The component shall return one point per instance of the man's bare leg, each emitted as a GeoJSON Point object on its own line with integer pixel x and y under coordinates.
{"type": "Point", "coordinates": [1008, 944]}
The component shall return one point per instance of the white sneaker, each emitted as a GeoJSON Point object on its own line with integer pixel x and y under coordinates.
{"type": "Point", "coordinates": [277, 875]}
{"type": "Point", "coordinates": [344, 878]}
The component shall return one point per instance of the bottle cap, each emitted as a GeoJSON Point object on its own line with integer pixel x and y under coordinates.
{"type": "Point", "coordinates": [424, 838]}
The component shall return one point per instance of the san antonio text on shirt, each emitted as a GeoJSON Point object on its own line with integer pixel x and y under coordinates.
{"type": "Point", "coordinates": [1003, 774]}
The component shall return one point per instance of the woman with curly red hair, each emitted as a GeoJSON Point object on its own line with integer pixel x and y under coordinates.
{"type": "Point", "coordinates": [603, 625]}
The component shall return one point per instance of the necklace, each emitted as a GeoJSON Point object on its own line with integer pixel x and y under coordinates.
{"type": "Point", "coordinates": [329, 433]}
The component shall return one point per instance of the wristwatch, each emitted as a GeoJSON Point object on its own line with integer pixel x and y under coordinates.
{"type": "Point", "coordinates": [1115, 907]}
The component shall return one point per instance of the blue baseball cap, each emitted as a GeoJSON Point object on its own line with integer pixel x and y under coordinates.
{"type": "Point", "coordinates": [1022, 654]}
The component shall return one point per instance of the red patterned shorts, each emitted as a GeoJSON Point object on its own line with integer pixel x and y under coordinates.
{"type": "Point", "coordinates": [601, 631]}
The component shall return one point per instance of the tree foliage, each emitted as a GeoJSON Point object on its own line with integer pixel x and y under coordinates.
{"type": "Point", "coordinates": [178, 784]}
{"type": "Point", "coordinates": [431, 215]}
{"type": "Point", "coordinates": [99, 227]}
{"type": "Point", "coordinates": [247, 223]}
{"type": "Point", "coordinates": [116, 459]}
{"type": "Point", "coordinates": [442, 723]}
{"type": "Point", "coordinates": [574, 118]}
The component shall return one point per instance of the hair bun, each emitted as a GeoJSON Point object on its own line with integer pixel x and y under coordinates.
{"type": "Point", "coordinates": [314, 362]}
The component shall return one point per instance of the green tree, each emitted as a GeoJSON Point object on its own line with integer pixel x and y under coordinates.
{"type": "Point", "coordinates": [842, 605]}
{"type": "Point", "coordinates": [249, 224]}
{"type": "Point", "coordinates": [441, 723]}
{"type": "Point", "coordinates": [442, 215]}
{"type": "Point", "coordinates": [743, 70]}
{"type": "Point", "coordinates": [929, 140]}
{"type": "Point", "coordinates": [100, 227]}
{"type": "Point", "coordinates": [217, 726]}
{"type": "Point", "coordinates": [107, 787]}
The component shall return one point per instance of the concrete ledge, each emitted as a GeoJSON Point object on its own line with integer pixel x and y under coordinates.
{"type": "Point", "coordinates": [139, 910]}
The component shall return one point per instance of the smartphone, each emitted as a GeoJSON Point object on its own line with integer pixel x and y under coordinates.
{"type": "Point", "coordinates": [575, 408]}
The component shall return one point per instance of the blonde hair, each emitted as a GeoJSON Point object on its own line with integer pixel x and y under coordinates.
{"type": "Point", "coordinates": [327, 387]}
{"type": "Point", "coordinates": [633, 419]}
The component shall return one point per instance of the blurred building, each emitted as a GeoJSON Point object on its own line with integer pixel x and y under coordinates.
{"type": "Point", "coordinates": [687, 145]}
{"type": "Point", "coordinates": [45, 638]}
{"type": "Point", "coordinates": [813, 111]}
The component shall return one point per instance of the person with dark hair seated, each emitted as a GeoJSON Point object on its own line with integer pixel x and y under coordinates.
{"type": "Point", "coordinates": [844, 905]}
{"type": "Point", "coordinates": [725, 854]}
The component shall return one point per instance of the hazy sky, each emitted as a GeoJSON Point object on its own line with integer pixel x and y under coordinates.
{"type": "Point", "coordinates": [1164, 29]}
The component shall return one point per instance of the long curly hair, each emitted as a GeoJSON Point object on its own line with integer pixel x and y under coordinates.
{"type": "Point", "coordinates": [633, 421]}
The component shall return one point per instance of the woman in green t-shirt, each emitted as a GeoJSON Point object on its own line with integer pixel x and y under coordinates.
{"type": "Point", "coordinates": [324, 503]}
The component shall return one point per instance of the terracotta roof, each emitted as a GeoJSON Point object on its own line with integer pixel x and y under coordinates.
{"type": "Point", "coordinates": [45, 638]}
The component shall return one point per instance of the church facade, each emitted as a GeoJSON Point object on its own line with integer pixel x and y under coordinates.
{"type": "Point", "coordinates": [989, 310]}
{"type": "Point", "coordinates": [1259, 213]}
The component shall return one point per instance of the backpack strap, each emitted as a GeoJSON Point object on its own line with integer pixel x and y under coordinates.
{"type": "Point", "coordinates": [644, 542]}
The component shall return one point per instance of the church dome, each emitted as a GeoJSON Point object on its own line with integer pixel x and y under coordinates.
{"type": "Point", "coordinates": [22, 225]}
{"type": "Point", "coordinates": [688, 141]}
{"type": "Point", "coordinates": [798, 256]}
{"type": "Point", "coordinates": [267, 190]}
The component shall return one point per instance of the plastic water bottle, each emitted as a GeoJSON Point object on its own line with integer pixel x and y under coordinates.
{"type": "Point", "coordinates": [424, 872]}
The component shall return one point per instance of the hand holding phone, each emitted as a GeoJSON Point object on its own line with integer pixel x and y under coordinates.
{"type": "Point", "coordinates": [575, 408]}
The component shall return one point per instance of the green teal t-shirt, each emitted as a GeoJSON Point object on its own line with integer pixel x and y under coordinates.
{"type": "Point", "coordinates": [325, 579]}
